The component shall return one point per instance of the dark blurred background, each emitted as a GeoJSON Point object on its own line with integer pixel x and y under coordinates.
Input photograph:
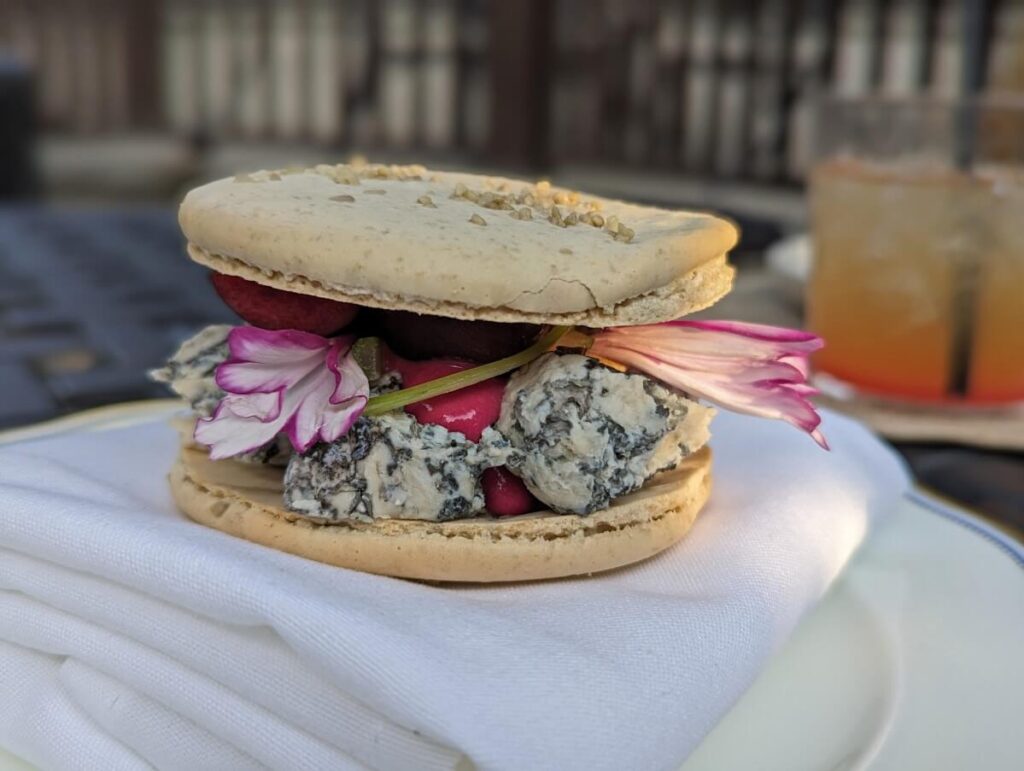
{"type": "Point", "coordinates": [137, 99]}
{"type": "Point", "coordinates": [111, 109]}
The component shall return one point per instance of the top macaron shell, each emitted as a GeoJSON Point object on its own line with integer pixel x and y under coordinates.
{"type": "Point", "coordinates": [463, 245]}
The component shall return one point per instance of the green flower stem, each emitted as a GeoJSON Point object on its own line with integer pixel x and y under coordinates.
{"type": "Point", "coordinates": [395, 400]}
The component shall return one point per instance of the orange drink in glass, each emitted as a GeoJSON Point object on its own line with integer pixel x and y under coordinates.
{"type": "Point", "coordinates": [918, 277]}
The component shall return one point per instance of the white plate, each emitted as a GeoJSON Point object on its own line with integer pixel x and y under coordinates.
{"type": "Point", "coordinates": [914, 660]}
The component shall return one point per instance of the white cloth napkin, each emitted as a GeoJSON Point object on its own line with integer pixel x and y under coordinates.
{"type": "Point", "coordinates": [131, 637]}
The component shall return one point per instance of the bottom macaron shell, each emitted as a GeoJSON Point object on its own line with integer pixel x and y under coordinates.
{"type": "Point", "coordinates": [245, 501]}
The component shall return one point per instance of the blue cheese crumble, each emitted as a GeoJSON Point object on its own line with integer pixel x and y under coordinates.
{"type": "Point", "coordinates": [586, 434]}
{"type": "Point", "coordinates": [190, 371]}
{"type": "Point", "coordinates": [392, 467]}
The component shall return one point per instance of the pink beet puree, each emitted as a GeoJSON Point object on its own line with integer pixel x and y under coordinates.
{"type": "Point", "coordinates": [505, 493]}
{"type": "Point", "coordinates": [468, 411]}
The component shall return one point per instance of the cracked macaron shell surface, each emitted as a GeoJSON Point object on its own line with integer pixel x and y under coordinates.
{"type": "Point", "coordinates": [381, 236]}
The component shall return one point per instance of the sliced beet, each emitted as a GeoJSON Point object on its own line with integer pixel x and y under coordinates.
{"type": "Point", "coordinates": [506, 495]}
{"type": "Point", "coordinates": [269, 308]}
{"type": "Point", "coordinates": [417, 336]}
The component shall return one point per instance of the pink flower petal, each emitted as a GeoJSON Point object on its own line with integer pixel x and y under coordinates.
{"type": "Point", "coordinates": [298, 383]}
{"type": "Point", "coordinates": [227, 433]}
{"type": "Point", "coordinates": [245, 377]}
{"type": "Point", "coordinates": [350, 380]}
{"type": "Point", "coordinates": [674, 336]}
{"type": "Point", "coordinates": [339, 420]}
{"type": "Point", "coordinates": [263, 407]}
{"type": "Point", "coordinates": [306, 403]}
{"type": "Point", "coordinates": [349, 394]}
{"type": "Point", "coordinates": [749, 368]}
{"type": "Point", "coordinates": [268, 346]}
{"type": "Point", "coordinates": [801, 363]}
{"type": "Point", "coordinates": [819, 437]}
{"type": "Point", "coordinates": [755, 331]}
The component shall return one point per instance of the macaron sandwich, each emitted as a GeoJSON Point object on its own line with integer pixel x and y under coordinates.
{"type": "Point", "coordinates": [452, 377]}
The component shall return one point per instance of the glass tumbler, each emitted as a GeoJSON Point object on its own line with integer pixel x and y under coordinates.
{"type": "Point", "coordinates": [918, 235]}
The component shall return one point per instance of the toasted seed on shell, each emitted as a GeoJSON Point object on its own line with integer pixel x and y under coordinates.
{"type": "Point", "coordinates": [476, 219]}
{"type": "Point", "coordinates": [341, 173]}
{"type": "Point", "coordinates": [427, 201]}
{"type": "Point", "coordinates": [344, 198]}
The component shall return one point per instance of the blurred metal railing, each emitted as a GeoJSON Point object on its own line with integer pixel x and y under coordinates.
{"type": "Point", "coordinates": [722, 87]}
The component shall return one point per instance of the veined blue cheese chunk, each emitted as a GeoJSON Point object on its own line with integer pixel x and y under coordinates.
{"type": "Point", "coordinates": [190, 371]}
{"type": "Point", "coordinates": [392, 467]}
{"type": "Point", "coordinates": [586, 434]}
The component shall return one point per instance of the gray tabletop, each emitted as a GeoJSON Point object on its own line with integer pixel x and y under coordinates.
{"type": "Point", "coordinates": [89, 300]}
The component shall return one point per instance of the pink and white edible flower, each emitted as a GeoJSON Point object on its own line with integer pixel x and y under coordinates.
{"type": "Point", "coordinates": [298, 383]}
{"type": "Point", "coordinates": [750, 368]}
